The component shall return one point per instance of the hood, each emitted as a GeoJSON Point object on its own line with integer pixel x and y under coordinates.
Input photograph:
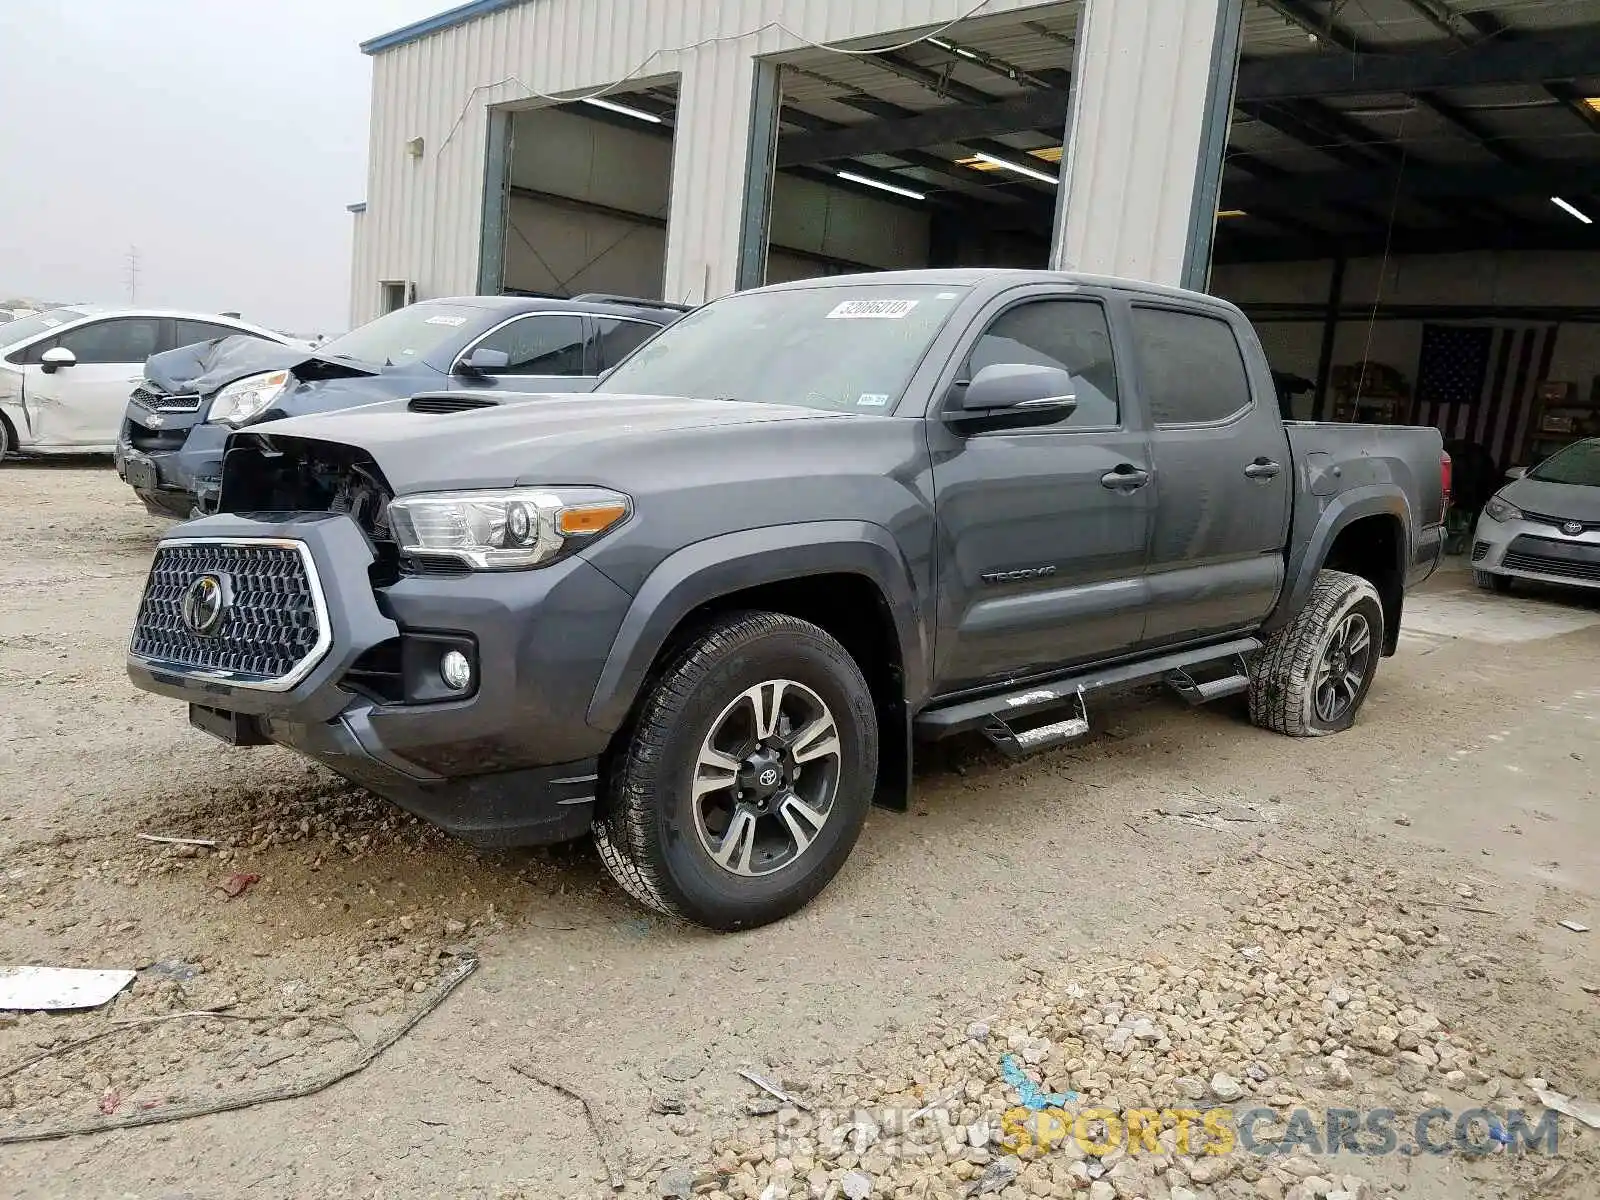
{"type": "Point", "coordinates": [1568, 501]}
{"type": "Point", "coordinates": [206, 367]}
{"type": "Point", "coordinates": [530, 439]}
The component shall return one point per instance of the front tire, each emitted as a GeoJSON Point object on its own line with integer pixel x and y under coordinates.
{"type": "Point", "coordinates": [8, 439]}
{"type": "Point", "coordinates": [1491, 580]}
{"type": "Point", "coordinates": [746, 779]}
{"type": "Point", "coordinates": [1315, 672]}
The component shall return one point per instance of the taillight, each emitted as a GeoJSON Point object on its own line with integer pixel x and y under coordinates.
{"type": "Point", "coordinates": [1444, 475]}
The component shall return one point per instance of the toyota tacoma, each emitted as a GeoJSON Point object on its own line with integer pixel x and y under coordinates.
{"type": "Point", "coordinates": [707, 610]}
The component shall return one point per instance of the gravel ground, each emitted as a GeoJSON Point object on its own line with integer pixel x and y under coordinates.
{"type": "Point", "coordinates": [1183, 913]}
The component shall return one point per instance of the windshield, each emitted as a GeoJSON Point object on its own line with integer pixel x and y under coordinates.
{"type": "Point", "coordinates": [1579, 463]}
{"type": "Point", "coordinates": [406, 335]}
{"type": "Point", "coordinates": [24, 328]}
{"type": "Point", "coordinates": [844, 349]}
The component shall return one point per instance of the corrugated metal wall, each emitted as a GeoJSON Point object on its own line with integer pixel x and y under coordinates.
{"type": "Point", "coordinates": [424, 214]}
{"type": "Point", "coordinates": [1140, 95]}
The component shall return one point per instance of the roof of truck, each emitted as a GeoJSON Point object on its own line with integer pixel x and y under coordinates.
{"type": "Point", "coordinates": [980, 276]}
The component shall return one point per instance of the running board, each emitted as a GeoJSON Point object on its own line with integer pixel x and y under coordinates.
{"type": "Point", "coordinates": [1004, 717]}
{"type": "Point", "coordinates": [1205, 691]}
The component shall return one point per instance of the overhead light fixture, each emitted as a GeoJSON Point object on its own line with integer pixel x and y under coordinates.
{"type": "Point", "coordinates": [1567, 208]}
{"type": "Point", "coordinates": [638, 114]}
{"type": "Point", "coordinates": [1224, 214]}
{"type": "Point", "coordinates": [1005, 164]}
{"type": "Point", "coordinates": [867, 181]}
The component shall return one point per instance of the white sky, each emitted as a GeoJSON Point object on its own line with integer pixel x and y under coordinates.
{"type": "Point", "coordinates": [224, 140]}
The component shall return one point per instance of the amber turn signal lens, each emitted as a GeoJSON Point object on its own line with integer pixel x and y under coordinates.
{"type": "Point", "coordinates": [589, 519]}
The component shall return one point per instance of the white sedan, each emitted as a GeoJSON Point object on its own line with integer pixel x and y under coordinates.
{"type": "Point", "coordinates": [65, 374]}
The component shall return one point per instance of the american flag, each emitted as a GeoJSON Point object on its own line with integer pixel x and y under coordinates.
{"type": "Point", "coordinates": [1477, 383]}
{"type": "Point", "coordinates": [1454, 362]}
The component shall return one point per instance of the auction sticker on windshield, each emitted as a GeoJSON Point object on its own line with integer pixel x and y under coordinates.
{"type": "Point", "coordinates": [453, 322]}
{"type": "Point", "coordinates": [855, 310]}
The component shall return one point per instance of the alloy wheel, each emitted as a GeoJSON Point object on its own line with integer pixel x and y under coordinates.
{"type": "Point", "coordinates": [766, 778]}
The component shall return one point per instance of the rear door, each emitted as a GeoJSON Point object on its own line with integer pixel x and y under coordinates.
{"type": "Point", "coordinates": [1222, 473]}
{"type": "Point", "coordinates": [1043, 532]}
{"type": "Point", "coordinates": [82, 404]}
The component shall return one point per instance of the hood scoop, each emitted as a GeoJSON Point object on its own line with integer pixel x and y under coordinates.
{"type": "Point", "coordinates": [449, 402]}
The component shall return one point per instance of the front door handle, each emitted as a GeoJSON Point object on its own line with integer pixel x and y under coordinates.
{"type": "Point", "coordinates": [1263, 468]}
{"type": "Point", "coordinates": [1125, 477]}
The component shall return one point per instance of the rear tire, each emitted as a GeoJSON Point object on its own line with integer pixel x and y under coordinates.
{"type": "Point", "coordinates": [8, 439]}
{"type": "Point", "coordinates": [1492, 581]}
{"type": "Point", "coordinates": [1315, 672]}
{"type": "Point", "coordinates": [747, 777]}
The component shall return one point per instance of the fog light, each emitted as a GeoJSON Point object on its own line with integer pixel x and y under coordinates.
{"type": "Point", "coordinates": [455, 670]}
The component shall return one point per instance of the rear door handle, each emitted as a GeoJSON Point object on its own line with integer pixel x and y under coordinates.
{"type": "Point", "coordinates": [1263, 468]}
{"type": "Point", "coordinates": [1125, 477]}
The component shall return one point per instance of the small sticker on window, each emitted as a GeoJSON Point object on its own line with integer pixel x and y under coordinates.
{"type": "Point", "coordinates": [946, 296]}
{"type": "Point", "coordinates": [856, 310]}
{"type": "Point", "coordinates": [50, 322]}
{"type": "Point", "coordinates": [872, 400]}
{"type": "Point", "coordinates": [450, 321]}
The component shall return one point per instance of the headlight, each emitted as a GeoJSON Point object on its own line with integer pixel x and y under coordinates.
{"type": "Point", "coordinates": [244, 401]}
{"type": "Point", "coordinates": [505, 530]}
{"type": "Point", "coordinates": [1502, 510]}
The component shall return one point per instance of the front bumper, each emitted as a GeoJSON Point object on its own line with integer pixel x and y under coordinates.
{"type": "Point", "coordinates": [512, 763]}
{"type": "Point", "coordinates": [1537, 550]}
{"type": "Point", "coordinates": [173, 461]}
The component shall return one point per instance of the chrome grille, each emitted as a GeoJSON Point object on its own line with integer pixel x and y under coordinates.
{"type": "Point", "coordinates": [147, 397]}
{"type": "Point", "coordinates": [273, 628]}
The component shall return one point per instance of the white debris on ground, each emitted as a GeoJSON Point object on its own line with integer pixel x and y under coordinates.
{"type": "Point", "coordinates": [1292, 1008]}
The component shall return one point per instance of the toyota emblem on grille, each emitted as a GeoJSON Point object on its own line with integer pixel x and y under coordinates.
{"type": "Point", "coordinates": [205, 603]}
{"type": "Point", "coordinates": [1572, 528]}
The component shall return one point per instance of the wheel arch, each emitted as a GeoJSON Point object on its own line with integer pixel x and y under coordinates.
{"type": "Point", "coordinates": [848, 577]}
{"type": "Point", "coordinates": [1364, 532]}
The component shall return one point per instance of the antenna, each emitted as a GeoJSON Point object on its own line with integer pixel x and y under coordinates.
{"type": "Point", "coordinates": [133, 274]}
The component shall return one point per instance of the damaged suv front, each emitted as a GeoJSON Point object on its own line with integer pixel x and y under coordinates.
{"type": "Point", "coordinates": [322, 612]}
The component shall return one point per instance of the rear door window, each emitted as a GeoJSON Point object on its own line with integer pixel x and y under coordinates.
{"type": "Point", "coordinates": [1191, 367]}
{"type": "Point", "coordinates": [619, 337]}
{"type": "Point", "coordinates": [190, 332]}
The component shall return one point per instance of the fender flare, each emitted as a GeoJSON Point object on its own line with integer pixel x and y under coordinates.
{"type": "Point", "coordinates": [710, 569]}
{"type": "Point", "coordinates": [1375, 500]}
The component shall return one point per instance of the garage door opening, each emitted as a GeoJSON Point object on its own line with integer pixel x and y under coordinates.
{"type": "Point", "coordinates": [584, 206]}
{"type": "Point", "coordinates": [944, 153]}
{"type": "Point", "coordinates": [1414, 232]}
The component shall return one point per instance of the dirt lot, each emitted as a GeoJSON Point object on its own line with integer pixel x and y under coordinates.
{"type": "Point", "coordinates": [1417, 866]}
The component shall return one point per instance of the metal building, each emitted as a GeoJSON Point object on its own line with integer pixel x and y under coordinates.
{"type": "Point", "coordinates": [466, 128]}
{"type": "Point", "coordinates": [1357, 175]}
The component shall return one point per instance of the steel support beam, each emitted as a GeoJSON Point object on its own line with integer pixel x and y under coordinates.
{"type": "Point", "coordinates": [1034, 111]}
{"type": "Point", "coordinates": [1571, 54]}
{"type": "Point", "coordinates": [496, 198]}
{"type": "Point", "coordinates": [1380, 185]}
{"type": "Point", "coordinates": [1217, 117]}
{"type": "Point", "coordinates": [766, 103]}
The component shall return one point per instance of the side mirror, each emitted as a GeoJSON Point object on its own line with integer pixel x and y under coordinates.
{"type": "Point", "coordinates": [1516, 472]}
{"type": "Point", "coordinates": [483, 361]}
{"type": "Point", "coordinates": [1013, 396]}
{"type": "Point", "coordinates": [54, 359]}
{"type": "Point", "coordinates": [604, 375]}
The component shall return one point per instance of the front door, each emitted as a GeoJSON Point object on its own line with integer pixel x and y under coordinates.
{"type": "Point", "coordinates": [1043, 532]}
{"type": "Point", "coordinates": [81, 405]}
{"type": "Point", "coordinates": [1222, 477]}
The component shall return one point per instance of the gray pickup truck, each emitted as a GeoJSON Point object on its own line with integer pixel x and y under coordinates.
{"type": "Point", "coordinates": [707, 611]}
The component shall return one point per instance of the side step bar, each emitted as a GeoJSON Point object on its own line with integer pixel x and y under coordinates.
{"type": "Point", "coordinates": [1011, 719]}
